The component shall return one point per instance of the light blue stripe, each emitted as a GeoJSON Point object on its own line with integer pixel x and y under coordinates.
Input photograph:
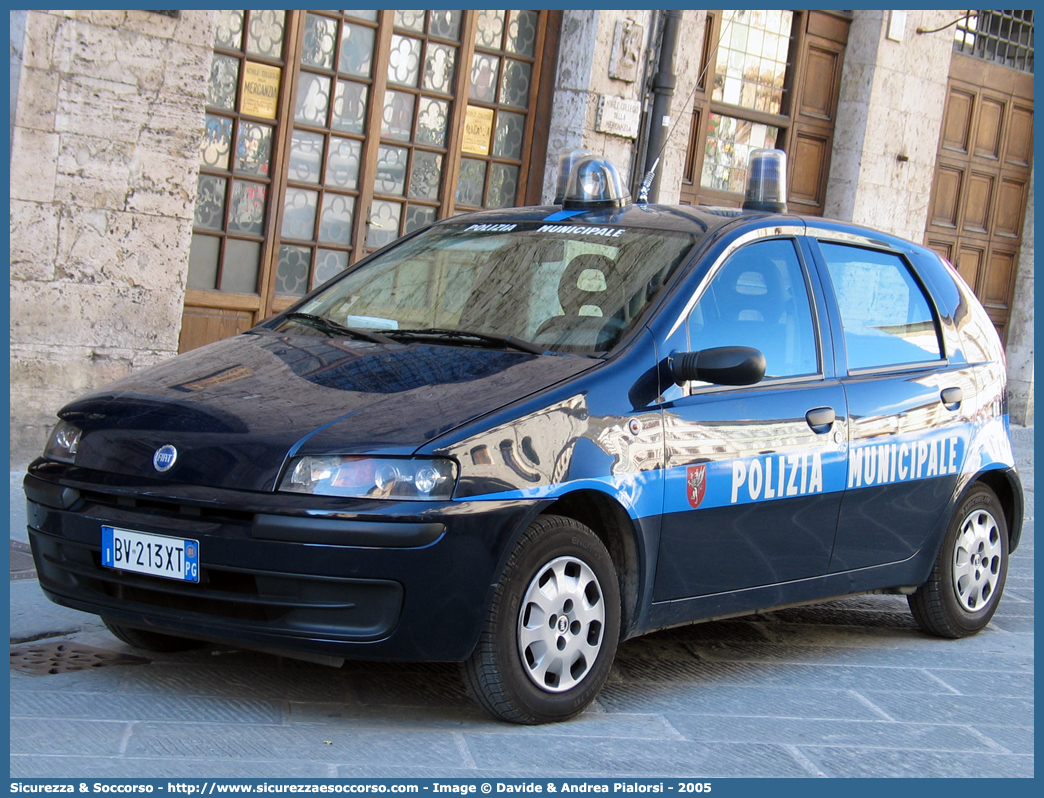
{"type": "Point", "coordinates": [560, 215]}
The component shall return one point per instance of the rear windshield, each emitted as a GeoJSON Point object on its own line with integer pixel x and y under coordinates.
{"type": "Point", "coordinates": [567, 288]}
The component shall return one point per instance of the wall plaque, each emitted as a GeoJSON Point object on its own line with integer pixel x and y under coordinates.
{"type": "Point", "coordinates": [478, 129]}
{"type": "Point", "coordinates": [260, 90]}
{"type": "Point", "coordinates": [618, 116]}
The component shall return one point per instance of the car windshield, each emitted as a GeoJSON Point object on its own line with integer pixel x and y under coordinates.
{"type": "Point", "coordinates": [560, 287]}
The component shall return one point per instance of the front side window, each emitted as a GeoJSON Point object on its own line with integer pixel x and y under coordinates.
{"type": "Point", "coordinates": [557, 287]}
{"type": "Point", "coordinates": [759, 299]}
{"type": "Point", "coordinates": [886, 317]}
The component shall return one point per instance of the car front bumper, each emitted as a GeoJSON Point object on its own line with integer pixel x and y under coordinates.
{"type": "Point", "coordinates": [312, 575]}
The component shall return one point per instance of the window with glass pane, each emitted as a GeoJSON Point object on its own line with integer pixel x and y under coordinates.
{"type": "Point", "coordinates": [421, 74]}
{"type": "Point", "coordinates": [886, 318]}
{"type": "Point", "coordinates": [759, 299]}
{"type": "Point", "coordinates": [749, 69]}
{"type": "Point", "coordinates": [728, 146]}
{"type": "Point", "coordinates": [752, 59]}
{"type": "Point", "coordinates": [334, 90]}
{"type": "Point", "coordinates": [236, 151]}
{"type": "Point", "coordinates": [500, 87]}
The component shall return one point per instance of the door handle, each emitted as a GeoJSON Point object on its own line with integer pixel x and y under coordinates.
{"type": "Point", "coordinates": [820, 419]}
{"type": "Point", "coordinates": [952, 398]}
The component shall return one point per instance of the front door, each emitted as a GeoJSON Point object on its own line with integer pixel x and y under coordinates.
{"type": "Point", "coordinates": [755, 474]}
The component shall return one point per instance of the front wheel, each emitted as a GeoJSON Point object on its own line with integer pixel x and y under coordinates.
{"type": "Point", "coordinates": [966, 583]}
{"type": "Point", "coordinates": [551, 634]}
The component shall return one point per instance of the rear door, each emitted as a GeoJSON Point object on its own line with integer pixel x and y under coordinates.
{"type": "Point", "coordinates": [906, 403]}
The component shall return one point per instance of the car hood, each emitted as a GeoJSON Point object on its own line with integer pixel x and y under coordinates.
{"type": "Point", "coordinates": [236, 409]}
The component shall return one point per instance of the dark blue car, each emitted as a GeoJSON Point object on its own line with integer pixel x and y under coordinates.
{"type": "Point", "coordinates": [516, 438]}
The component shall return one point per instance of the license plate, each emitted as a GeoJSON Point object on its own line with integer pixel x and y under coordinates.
{"type": "Point", "coordinates": [155, 555]}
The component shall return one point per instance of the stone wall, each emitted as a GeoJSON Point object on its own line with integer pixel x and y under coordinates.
{"type": "Point", "coordinates": [583, 74]}
{"type": "Point", "coordinates": [889, 117]}
{"type": "Point", "coordinates": [104, 165]}
{"type": "Point", "coordinates": [586, 55]}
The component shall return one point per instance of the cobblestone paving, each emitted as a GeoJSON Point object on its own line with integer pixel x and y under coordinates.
{"type": "Point", "coordinates": [848, 688]}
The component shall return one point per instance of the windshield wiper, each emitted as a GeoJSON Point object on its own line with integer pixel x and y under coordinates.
{"type": "Point", "coordinates": [508, 341]}
{"type": "Point", "coordinates": [332, 328]}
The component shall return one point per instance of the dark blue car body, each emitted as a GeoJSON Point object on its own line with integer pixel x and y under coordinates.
{"type": "Point", "coordinates": [712, 500]}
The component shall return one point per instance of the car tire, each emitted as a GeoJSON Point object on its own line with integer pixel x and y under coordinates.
{"type": "Point", "coordinates": [150, 641]}
{"type": "Point", "coordinates": [550, 637]}
{"type": "Point", "coordinates": [966, 583]}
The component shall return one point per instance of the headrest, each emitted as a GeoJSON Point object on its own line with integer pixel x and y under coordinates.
{"type": "Point", "coordinates": [586, 281]}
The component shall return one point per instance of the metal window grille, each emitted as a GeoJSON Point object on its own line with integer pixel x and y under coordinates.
{"type": "Point", "coordinates": [1004, 37]}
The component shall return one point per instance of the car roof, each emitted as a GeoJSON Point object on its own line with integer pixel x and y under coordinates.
{"type": "Point", "coordinates": [699, 220]}
{"type": "Point", "coordinates": [684, 218]}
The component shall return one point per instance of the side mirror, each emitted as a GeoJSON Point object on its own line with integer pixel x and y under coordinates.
{"type": "Point", "coordinates": [722, 365]}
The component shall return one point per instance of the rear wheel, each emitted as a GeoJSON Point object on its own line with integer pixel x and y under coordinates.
{"type": "Point", "coordinates": [966, 583]}
{"type": "Point", "coordinates": [150, 641]}
{"type": "Point", "coordinates": [552, 631]}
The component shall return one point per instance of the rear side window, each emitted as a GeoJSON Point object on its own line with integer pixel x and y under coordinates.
{"type": "Point", "coordinates": [886, 316]}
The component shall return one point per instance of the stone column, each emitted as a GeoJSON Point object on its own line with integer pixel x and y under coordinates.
{"type": "Point", "coordinates": [17, 37]}
{"type": "Point", "coordinates": [1020, 328]}
{"type": "Point", "coordinates": [104, 165]}
{"type": "Point", "coordinates": [889, 117]}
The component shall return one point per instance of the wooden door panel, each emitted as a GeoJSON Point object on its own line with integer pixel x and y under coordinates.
{"type": "Point", "coordinates": [1000, 273]}
{"type": "Point", "coordinates": [969, 264]}
{"type": "Point", "coordinates": [201, 326]}
{"type": "Point", "coordinates": [948, 181]}
{"type": "Point", "coordinates": [977, 204]}
{"type": "Point", "coordinates": [1011, 208]}
{"type": "Point", "coordinates": [944, 249]}
{"type": "Point", "coordinates": [1019, 150]}
{"type": "Point", "coordinates": [988, 128]}
{"type": "Point", "coordinates": [957, 120]}
{"type": "Point", "coordinates": [810, 154]}
{"type": "Point", "coordinates": [820, 92]}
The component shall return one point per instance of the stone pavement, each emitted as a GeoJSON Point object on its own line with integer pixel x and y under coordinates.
{"type": "Point", "coordinates": [849, 688]}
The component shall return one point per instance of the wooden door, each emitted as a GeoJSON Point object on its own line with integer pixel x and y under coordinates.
{"type": "Point", "coordinates": [981, 181]}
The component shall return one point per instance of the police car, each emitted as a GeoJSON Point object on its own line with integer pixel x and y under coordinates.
{"type": "Point", "coordinates": [516, 438]}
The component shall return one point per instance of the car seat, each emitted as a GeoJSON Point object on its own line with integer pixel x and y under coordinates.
{"type": "Point", "coordinates": [589, 292]}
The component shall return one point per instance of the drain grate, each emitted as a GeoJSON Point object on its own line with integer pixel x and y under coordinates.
{"type": "Point", "coordinates": [22, 565]}
{"type": "Point", "coordinates": [50, 658]}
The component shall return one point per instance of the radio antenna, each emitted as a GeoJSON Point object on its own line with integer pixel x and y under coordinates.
{"type": "Point", "coordinates": [650, 176]}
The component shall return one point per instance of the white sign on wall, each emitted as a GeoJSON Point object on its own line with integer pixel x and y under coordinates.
{"type": "Point", "coordinates": [618, 116]}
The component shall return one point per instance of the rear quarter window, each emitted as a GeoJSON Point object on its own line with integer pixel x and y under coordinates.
{"type": "Point", "coordinates": [887, 318]}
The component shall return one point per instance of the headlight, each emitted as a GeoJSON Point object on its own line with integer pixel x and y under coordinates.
{"type": "Point", "coordinates": [417, 479]}
{"type": "Point", "coordinates": [62, 444]}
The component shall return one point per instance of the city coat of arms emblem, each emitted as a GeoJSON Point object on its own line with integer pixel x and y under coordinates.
{"type": "Point", "coordinates": [696, 484]}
